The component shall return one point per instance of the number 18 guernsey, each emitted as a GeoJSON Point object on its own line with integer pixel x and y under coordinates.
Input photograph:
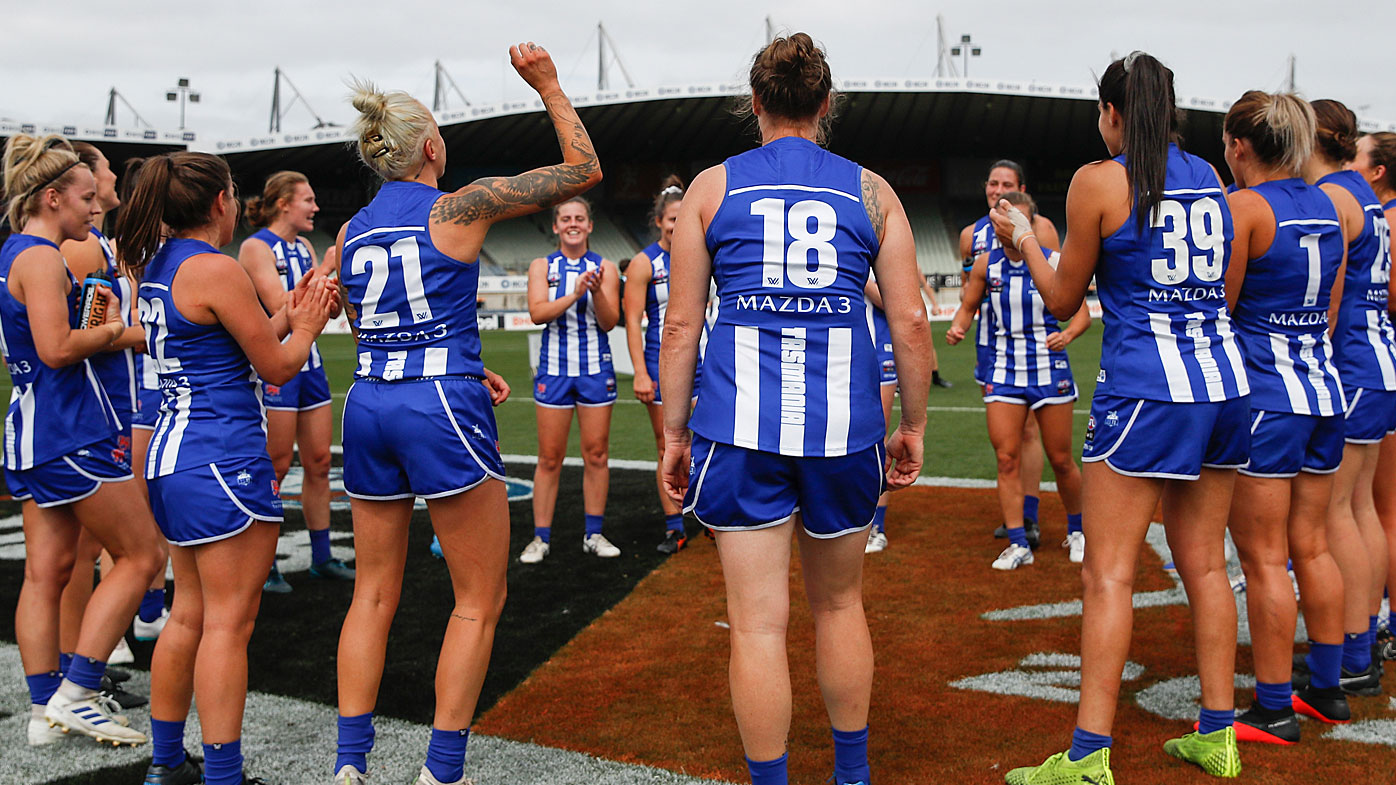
{"type": "Point", "coordinates": [790, 366]}
{"type": "Point", "coordinates": [1168, 334]}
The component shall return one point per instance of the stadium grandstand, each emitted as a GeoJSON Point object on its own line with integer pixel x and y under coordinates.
{"type": "Point", "coordinates": [931, 138]}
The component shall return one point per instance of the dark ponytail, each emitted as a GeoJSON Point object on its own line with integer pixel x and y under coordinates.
{"type": "Point", "coordinates": [670, 191]}
{"type": "Point", "coordinates": [1141, 90]}
{"type": "Point", "coordinates": [174, 192]}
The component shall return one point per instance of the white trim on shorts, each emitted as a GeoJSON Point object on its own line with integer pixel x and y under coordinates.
{"type": "Point", "coordinates": [1151, 475]}
{"type": "Point", "coordinates": [595, 405]}
{"type": "Point", "coordinates": [891, 383]}
{"type": "Point", "coordinates": [1333, 470]}
{"type": "Point", "coordinates": [881, 459]}
{"type": "Point", "coordinates": [90, 476]}
{"type": "Point", "coordinates": [394, 498]}
{"type": "Point", "coordinates": [451, 416]}
{"type": "Point", "coordinates": [100, 481]}
{"type": "Point", "coordinates": [1276, 476]}
{"type": "Point", "coordinates": [216, 538]}
{"type": "Point", "coordinates": [45, 505]}
{"type": "Point", "coordinates": [1075, 396]}
{"type": "Point", "coordinates": [138, 427]}
{"type": "Point", "coordinates": [298, 408]}
{"type": "Point", "coordinates": [536, 402]}
{"type": "Point", "coordinates": [1138, 404]}
{"type": "Point", "coordinates": [213, 467]}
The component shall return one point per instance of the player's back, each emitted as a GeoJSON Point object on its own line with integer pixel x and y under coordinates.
{"type": "Point", "coordinates": [211, 407]}
{"type": "Point", "coordinates": [413, 306]}
{"type": "Point", "coordinates": [1363, 339]}
{"type": "Point", "coordinates": [1282, 311]}
{"type": "Point", "coordinates": [1167, 332]}
{"type": "Point", "coordinates": [790, 365]}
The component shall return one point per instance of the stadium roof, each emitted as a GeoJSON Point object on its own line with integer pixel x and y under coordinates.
{"type": "Point", "coordinates": [881, 119]}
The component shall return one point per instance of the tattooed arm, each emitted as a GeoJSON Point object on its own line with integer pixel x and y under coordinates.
{"type": "Point", "coordinates": [460, 220]}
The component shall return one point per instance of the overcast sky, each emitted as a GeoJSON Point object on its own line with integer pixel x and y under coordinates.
{"type": "Point", "coordinates": [60, 59]}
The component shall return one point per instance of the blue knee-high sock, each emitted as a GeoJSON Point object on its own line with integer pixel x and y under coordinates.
{"type": "Point", "coordinates": [880, 518]}
{"type": "Point", "coordinates": [594, 524]}
{"type": "Point", "coordinates": [446, 754]}
{"type": "Point", "coordinates": [1073, 523]}
{"type": "Point", "coordinates": [86, 672]}
{"type": "Point", "coordinates": [152, 604]}
{"type": "Point", "coordinates": [319, 546]}
{"type": "Point", "coordinates": [1030, 507]}
{"type": "Point", "coordinates": [673, 523]}
{"type": "Point", "coordinates": [1019, 536]}
{"type": "Point", "coordinates": [65, 661]}
{"type": "Point", "coordinates": [355, 742]}
{"type": "Point", "coordinates": [1325, 661]}
{"type": "Point", "coordinates": [544, 533]}
{"type": "Point", "coordinates": [1083, 743]}
{"type": "Point", "coordinates": [1357, 652]}
{"type": "Point", "coordinates": [1209, 721]}
{"type": "Point", "coordinates": [167, 743]}
{"type": "Point", "coordinates": [223, 763]}
{"type": "Point", "coordinates": [42, 686]}
{"type": "Point", "coordinates": [1273, 697]}
{"type": "Point", "coordinates": [768, 772]}
{"type": "Point", "coordinates": [851, 757]}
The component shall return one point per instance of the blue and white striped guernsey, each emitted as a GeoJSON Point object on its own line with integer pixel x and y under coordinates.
{"type": "Point", "coordinates": [1167, 332]}
{"type": "Point", "coordinates": [656, 301]}
{"type": "Point", "coordinates": [790, 366]}
{"type": "Point", "coordinates": [573, 343]}
{"type": "Point", "coordinates": [982, 237]}
{"type": "Point", "coordinates": [1365, 355]}
{"type": "Point", "coordinates": [53, 411]}
{"type": "Point", "coordinates": [414, 306]}
{"type": "Point", "coordinates": [1281, 313]}
{"type": "Point", "coordinates": [293, 261]}
{"type": "Point", "coordinates": [1018, 327]}
{"type": "Point", "coordinates": [212, 402]}
{"type": "Point", "coordinates": [118, 371]}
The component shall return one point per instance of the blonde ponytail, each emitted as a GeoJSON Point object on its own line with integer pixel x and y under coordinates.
{"type": "Point", "coordinates": [389, 131]}
{"type": "Point", "coordinates": [32, 164]}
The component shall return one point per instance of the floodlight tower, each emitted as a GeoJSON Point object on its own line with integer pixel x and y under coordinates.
{"type": "Point", "coordinates": [181, 94]}
{"type": "Point", "coordinates": [966, 47]}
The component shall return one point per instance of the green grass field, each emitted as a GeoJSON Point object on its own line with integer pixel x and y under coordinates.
{"type": "Point", "coordinates": [957, 441]}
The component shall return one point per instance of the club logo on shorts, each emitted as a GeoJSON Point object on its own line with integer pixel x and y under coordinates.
{"type": "Point", "coordinates": [477, 431]}
{"type": "Point", "coordinates": [1090, 428]}
{"type": "Point", "coordinates": [610, 384]}
{"type": "Point", "coordinates": [989, 389]}
{"type": "Point", "coordinates": [244, 478]}
{"type": "Point", "coordinates": [1063, 386]}
{"type": "Point", "coordinates": [1100, 377]}
{"type": "Point", "coordinates": [542, 388]}
{"type": "Point", "coordinates": [1112, 419]}
{"type": "Point", "coordinates": [889, 366]}
{"type": "Point", "coordinates": [275, 488]}
{"type": "Point", "coordinates": [1060, 365]}
{"type": "Point", "coordinates": [273, 389]}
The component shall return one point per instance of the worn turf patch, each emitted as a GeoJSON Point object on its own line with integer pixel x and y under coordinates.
{"type": "Point", "coordinates": [647, 682]}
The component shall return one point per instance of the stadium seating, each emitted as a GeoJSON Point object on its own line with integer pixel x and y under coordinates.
{"type": "Point", "coordinates": [935, 247]}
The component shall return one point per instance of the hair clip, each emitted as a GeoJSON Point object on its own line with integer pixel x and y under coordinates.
{"type": "Point", "coordinates": [1130, 58]}
{"type": "Point", "coordinates": [673, 189]}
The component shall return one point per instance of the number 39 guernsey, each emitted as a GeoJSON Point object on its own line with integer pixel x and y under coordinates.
{"type": "Point", "coordinates": [1168, 335]}
{"type": "Point", "coordinates": [790, 366]}
{"type": "Point", "coordinates": [414, 307]}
